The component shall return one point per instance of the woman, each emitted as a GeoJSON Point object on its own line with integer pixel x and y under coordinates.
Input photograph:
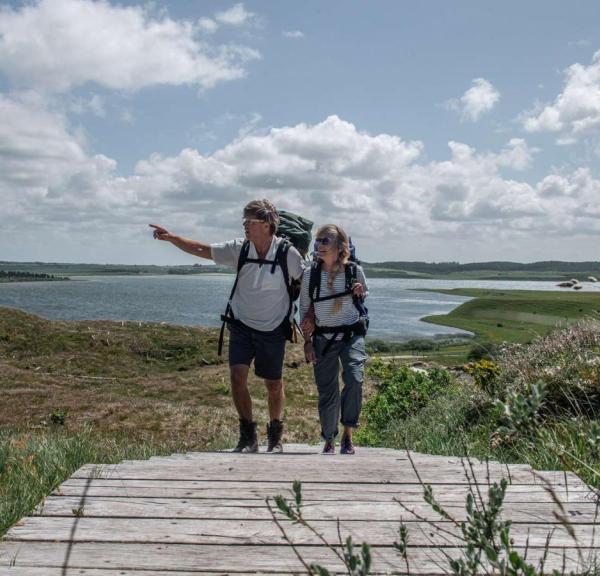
{"type": "Point", "coordinates": [331, 289]}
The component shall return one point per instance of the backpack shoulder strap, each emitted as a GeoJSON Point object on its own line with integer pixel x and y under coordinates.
{"type": "Point", "coordinates": [351, 274]}
{"type": "Point", "coordinates": [242, 259]}
{"type": "Point", "coordinates": [314, 283]}
{"type": "Point", "coordinates": [352, 278]}
{"type": "Point", "coordinates": [228, 316]}
{"type": "Point", "coordinates": [281, 259]}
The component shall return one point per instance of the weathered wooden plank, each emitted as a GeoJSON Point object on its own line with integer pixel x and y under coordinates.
{"type": "Point", "coordinates": [310, 491]}
{"type": "Point", "coordinates": [577, 512]}
{"type": "Point", "coordinates": [231, 559]}
{"type": "Point", "coordinates": [257, 532]}
{"type": "Point", "coordinates": [205, 512]}
{"type": "Point", "coordinates": [364, 454]}
{"type": "Point", "coordinates": [293, 449]}
{"type": "Point", "coordinates": [286, 470]}
{"type": "Point", "coordinates": [45, 571]}
{"type": "Point", "coordinates": [339, 460]}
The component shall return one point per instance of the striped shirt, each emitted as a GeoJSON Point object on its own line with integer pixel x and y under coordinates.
{"type": "Point", "coordinates": [324, 315]}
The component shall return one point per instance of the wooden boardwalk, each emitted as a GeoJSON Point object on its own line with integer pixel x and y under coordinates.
{"type": "Point", "coordinates": [206, 513]}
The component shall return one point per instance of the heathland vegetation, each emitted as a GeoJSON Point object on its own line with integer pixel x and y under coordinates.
{"type": "Point", "coordinates": [76, 392]}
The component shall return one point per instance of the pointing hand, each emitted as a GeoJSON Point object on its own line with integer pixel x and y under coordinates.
{"type": "Point", "coordinates": [160, 233]}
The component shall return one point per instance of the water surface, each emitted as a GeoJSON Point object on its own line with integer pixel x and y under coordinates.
{"type": "Point", "coordinates": [395, 305]}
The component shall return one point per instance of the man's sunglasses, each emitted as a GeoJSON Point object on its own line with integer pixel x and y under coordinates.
{"type": "Point", "coordinates": [250, 221]}
{"type": "Point", "coordinates": [325, 241]}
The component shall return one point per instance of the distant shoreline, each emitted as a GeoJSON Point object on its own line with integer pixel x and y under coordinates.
{"type": "Point", "coordinates": [551, 271]}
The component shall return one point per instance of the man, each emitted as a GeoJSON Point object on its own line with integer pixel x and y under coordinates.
{"type": "Point", "coordinates": [259, 314]}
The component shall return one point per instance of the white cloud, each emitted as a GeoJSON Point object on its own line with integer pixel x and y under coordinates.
{"type": "Point", "coordinates": [517, 155]}
{"type": "Point", "coordinates": [208, 25]}
{"type": "Point", "coordinates": [374, 185]}
{"type": "Point", "coordinates": [576, 110]}
{"type": "Point", "coordinates": [123, 48]}
{"type": "Point", "coordinates": [46, 174]}
{"type": "Point", "coordinates": [95, 105]}
{"type": "Point", "coordinates": [236, 16]}
{"type": "Point", "coordinates": [476, 101]}
{"type": "Point", "coordinates": [293, 34]}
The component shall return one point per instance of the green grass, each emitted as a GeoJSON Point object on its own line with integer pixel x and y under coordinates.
{"type": "Point", "coordinates": [516, 315]}
{"type": "Point", "coordinates": [496, 316]}
{"type": "Point", "coordinates": [33, 464]}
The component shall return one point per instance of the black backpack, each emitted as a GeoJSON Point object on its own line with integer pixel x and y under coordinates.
{"type": "Point", "coordinates": [350, 271]}
{"type": "Point", "coordinates": [314, 291]}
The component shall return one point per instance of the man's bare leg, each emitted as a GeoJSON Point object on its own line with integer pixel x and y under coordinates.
{"type": "Point", "coordinates": [248, 441]}
{"type": "Point", "coordinates": [276, 400]}
{"type": "Point", "coordinates": [239, 390]}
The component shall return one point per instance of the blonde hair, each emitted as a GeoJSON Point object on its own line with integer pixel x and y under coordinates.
{"type": "Point", "coordinates": [263, 210]}
{"type": "Point", "coordinates": [342, 243]}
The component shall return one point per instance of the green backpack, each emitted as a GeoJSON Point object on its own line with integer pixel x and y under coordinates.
{"type": "Point", "coordinates": [296, 229]}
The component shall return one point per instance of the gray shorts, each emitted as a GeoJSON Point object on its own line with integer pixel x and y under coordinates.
{"type": "Point", "coordinates": [267, 349]}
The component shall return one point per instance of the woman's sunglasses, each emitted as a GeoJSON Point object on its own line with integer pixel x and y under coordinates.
{"type": "Point", "coordinates": [325, 241]}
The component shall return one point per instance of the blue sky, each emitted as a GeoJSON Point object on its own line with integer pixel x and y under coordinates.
{"type": "Point", "coordinates": [431, 131]}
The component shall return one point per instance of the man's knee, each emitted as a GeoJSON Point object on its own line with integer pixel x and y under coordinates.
{"type": "Point", "coordinates": [274, 386]}
{"type": "Point", "coordinates": [239, 375]}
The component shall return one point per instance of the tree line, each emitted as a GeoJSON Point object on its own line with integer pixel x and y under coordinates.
{"type": "Point", "coordinates": [18, 275]}
{"type": "Point", "coordinates": [449, 267]}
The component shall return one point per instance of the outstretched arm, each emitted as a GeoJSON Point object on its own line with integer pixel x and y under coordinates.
{"type": "Point", "coordinates": [190, 246]}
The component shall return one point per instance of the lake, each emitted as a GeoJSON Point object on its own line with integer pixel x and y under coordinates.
{"type": "Point", "coordinates": [395, 305]}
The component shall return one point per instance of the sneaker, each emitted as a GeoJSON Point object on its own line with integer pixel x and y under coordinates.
{"type": "Point", "coordinates": [274, 432]}
{"type": "Point", "coordinates": [248, 442]}
{"type": "Point", "coordinates": [346, 446]}
{"type": "Point", "coordinates": [329, 447]}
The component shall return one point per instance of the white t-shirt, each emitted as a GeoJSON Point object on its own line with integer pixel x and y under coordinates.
{"type": "Point", "coordinates": [261, 299]}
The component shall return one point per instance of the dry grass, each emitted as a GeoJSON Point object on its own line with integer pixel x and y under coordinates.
{"type": "Point", "coordinates": [78, 392]}
{"type": "Point", "coordinates": [146, 381]}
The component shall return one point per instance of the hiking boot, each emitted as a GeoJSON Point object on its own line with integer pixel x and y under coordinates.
{"type": "Point", "coordinates": [346, 446]}
{"type": "Point", "coordinates": [329, 447]}
{"type": "Point", "coordinates": [248, 441]}
{"type": "Point", "coordinates": [274, 432]}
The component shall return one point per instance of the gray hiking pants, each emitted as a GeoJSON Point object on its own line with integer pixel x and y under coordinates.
{"type": "Point", "coordinates": [351, 355]}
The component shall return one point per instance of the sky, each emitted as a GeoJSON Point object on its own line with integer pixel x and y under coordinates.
{"type": "Point", "coordinates": [436, 131]}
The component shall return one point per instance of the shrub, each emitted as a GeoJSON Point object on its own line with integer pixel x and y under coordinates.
{"type": "Point", "coordinates": [58, 417]}
{"type": "Point", "coordinates": [399, 393]}
{"type": "Point", "coordinates": [378, 346]}
{"type": "Point", "coordinates": [421, 345]}
{"type": "Point", "coordinates": [485, 374]}
{"type": "Point", "coordinates": [566, 361]}
{"type": "Point", "coordinates": [521, 411]}
{"type": "Point", "coordinates": [483, 351]}
{"type": "Point", "coordinates": [458, 417]}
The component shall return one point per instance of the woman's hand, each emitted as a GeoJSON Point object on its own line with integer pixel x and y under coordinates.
{"type": "Point", "coordinates": [161, 233]}
{"type": "Point", "coordinates": [308, 325]}
{"type": "Point", "coordinates": [309, 353]}
{"type": "Point", "coordinates": [358, 290]}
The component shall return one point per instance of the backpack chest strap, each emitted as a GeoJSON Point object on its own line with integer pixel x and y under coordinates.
{"type": "Point", "coordinates": [332, 296]}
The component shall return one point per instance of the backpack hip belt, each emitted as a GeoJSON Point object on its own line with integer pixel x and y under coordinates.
{"type": "Point", "coordinates": [348, 330]}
